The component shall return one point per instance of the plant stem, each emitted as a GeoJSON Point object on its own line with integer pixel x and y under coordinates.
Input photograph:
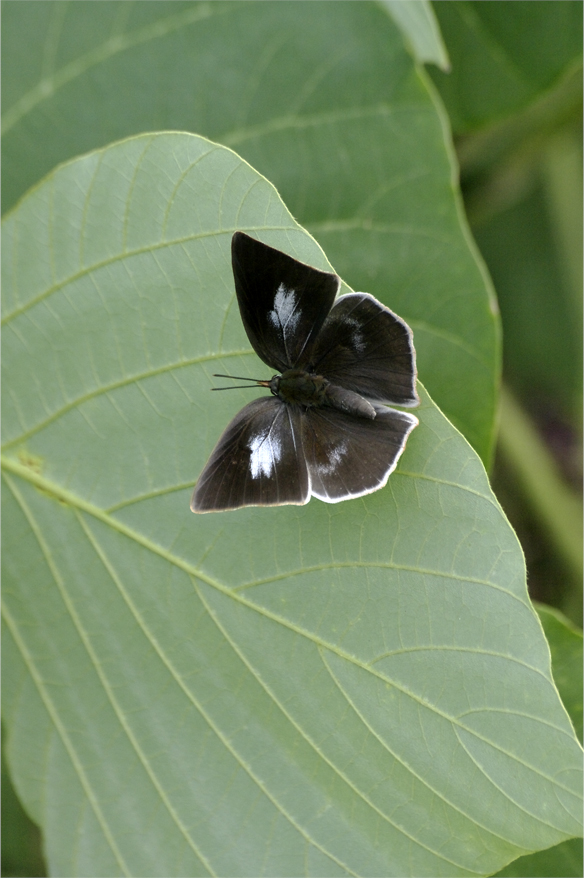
{"type": "Point", "coordinates": [552, 501]}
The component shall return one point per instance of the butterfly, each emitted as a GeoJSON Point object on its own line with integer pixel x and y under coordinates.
{"type": "Point", "coordinates": [325, 431]}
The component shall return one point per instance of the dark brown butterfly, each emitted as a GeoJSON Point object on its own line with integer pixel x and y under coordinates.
{"type": "Point", "coordinates": [325, 431]}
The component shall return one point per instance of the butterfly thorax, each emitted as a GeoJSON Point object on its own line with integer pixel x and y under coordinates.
{"type": "Point", "coordinates": [306, 389]}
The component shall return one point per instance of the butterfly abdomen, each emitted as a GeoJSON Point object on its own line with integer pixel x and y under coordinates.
{"type": "Point", "coordinates": [298, 387]}
{"type": "Point", "coordinates": [349, 402]}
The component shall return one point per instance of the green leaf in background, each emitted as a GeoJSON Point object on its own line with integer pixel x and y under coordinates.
{"type": "Point", "coordinates": [418, 24]}
{"type": "Point", "coordinates": [21, 842]}
{"type": "Point", "coordinates": [503, 55]}
{"type": "Point", "coordinates": [323, 99]}
{"type": "Point", "coordinates": [564, 860]}
{"type": "Point", "coordinates": [561, 861]}
{"type": "Point", "coordinates": [544, 340]}
{"type": "Point", "coordinates": [522, 183]}
{"type": "Point", "coordinates": [323, 690]}
{"type": "Point", "coordinates": [565, 642]}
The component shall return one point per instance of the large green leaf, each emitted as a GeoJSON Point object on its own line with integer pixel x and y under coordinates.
{"type": "Point", "coordinates": [504, 55]}
{"type": "Point", "coordinates": [324, 100]}
{"type": "Point", "coordinates": [353, 689]}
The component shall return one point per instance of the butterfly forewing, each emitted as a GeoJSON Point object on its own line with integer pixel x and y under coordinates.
{"type": "Point", "coordinates": [283, 302]}
{"type": "Point", "coordinates": [258, 461]}
{"type": "Point", "coordinates": [347, 456]}
{"type": "Point", "coordinates": [365, 347]}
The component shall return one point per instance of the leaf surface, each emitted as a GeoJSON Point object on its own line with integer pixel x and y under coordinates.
{"type": "Point", "coordinates": [358, 689]}
{"type": "Point", "coordinates": [324, 100]}
{"type": "Point", "coordinates": [504, 56]}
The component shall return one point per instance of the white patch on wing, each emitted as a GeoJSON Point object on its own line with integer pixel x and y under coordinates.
{"type": "Point", "coordinates": [335, 456]}
{"type": "Point", "coordinates": [283, 316]}
{"type": "Point", "coordinates": [266, 451]}
{"type": "Point", "coordinates": [356, 334]}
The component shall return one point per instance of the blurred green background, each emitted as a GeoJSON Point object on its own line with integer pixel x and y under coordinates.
{"type": "Point", "coordinates": [513, 95]}
{"type": "Point", "coordinates": [514, 98]}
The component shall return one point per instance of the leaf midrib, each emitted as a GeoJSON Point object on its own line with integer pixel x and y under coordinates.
{"type": "Point", "coordinates": [242, 763]}
{"type": "Point", "coordinates": [71, 751]}
{"type": "Point", "coordinates": [72, 500]}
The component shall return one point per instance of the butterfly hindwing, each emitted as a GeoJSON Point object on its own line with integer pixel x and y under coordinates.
{"type": "Point", "coordinates": [348, 456]}
{"type": "Point", "coordinates": [365, 347]}
{"type": "Point", "coordinates": [283, 302]}
{"type": "Point", "coordinates": [258, 461]}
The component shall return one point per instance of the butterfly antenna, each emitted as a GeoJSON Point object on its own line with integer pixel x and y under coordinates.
{"type": "Point", "coordinates": [258, 382]}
